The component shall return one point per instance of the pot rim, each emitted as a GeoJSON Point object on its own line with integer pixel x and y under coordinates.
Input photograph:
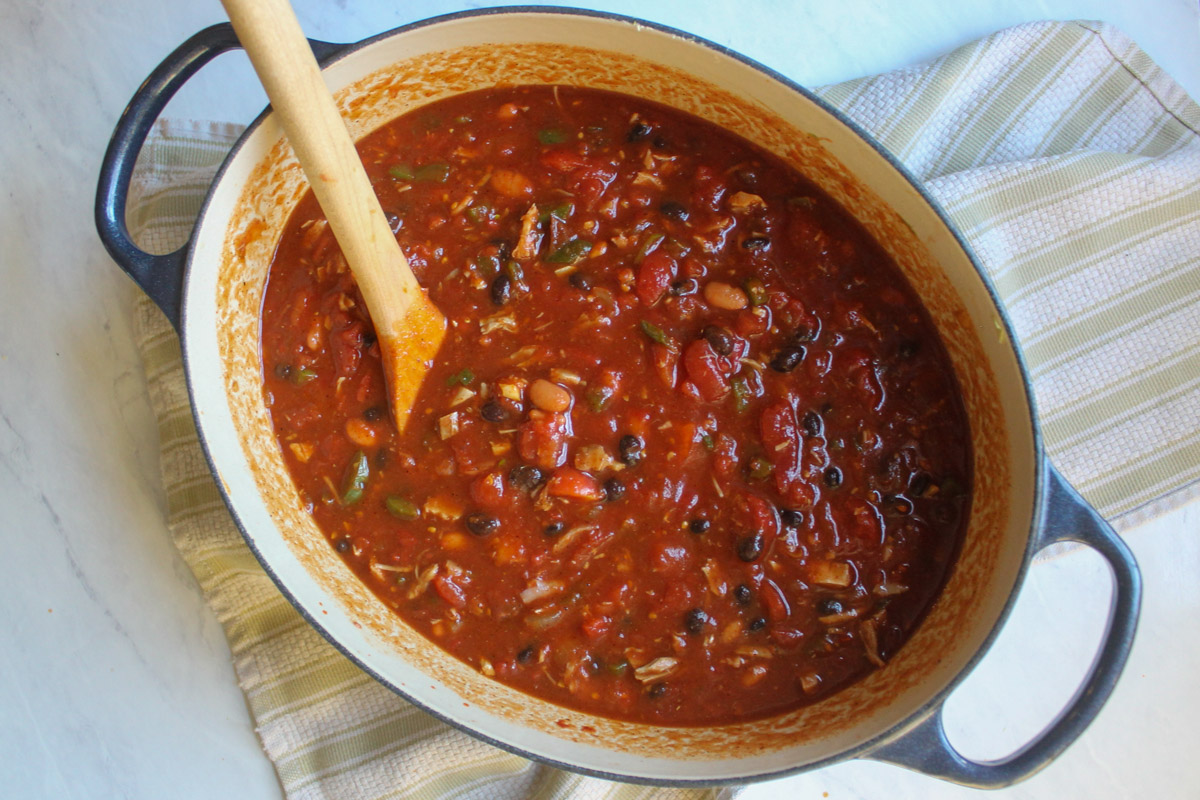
{"type": "Point", "coordinates": [331, 53]}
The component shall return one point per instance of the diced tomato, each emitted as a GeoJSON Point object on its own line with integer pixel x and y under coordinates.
{"type": "Point", "coordinates": [472, 453]}
{"type": "Point", "coordinates": [666, 364]}
{"type": "Point", "coordinates": [570, 483]}
{"type": "Point", "coordinates": [725, 457]}
{"type": "Point", "coordinates": [774, 603]}
{"type": "Point", "coordinates": [708, 188]}
{"type": "Point", "coordinates": [655, 274]}
{"type": "Point", "coordinates": [347, 346]}
{"type": "Point", "coordinates": [450, 591]}
{"type": "Point", "coordinates": [786, 637]}
{"type": "Point", "coordinates": [591, 184]}
{"type": "Point", "coordinates": [595, 627]}
{"type": "Point", "coordinates": [706, 370]}
{"type": "Point", "coordinates": [753, 321]}
{"type": "Point", "coordinates": [685, 438]}
{"type": "Point", "coordinates": [488, 491]}
{"type": "Point", "coordinates": [758, 515]}
{"type": "Point", "coordinates": [783, 441]}
{"type": "Point", "coordinates": [562, 159]}
{"type": "Point", "coordinates": [542, 439]}
{"type": "Point", "coordinates": [670, 554]}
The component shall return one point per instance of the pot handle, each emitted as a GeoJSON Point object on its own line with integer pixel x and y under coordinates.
{"type": "Point", "coordinates": [925, 748]}
{"type": "Point", "coordinates": [159, 276]}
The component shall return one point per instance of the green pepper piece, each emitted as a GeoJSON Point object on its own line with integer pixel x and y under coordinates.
{"type": "Point", "coordinates": [618, 668]}
{"type": "Point", "coordinates": [597, 399]}
{"type": "Point", "coordinates": [515, 271]}
{"type": "Point", "coordinates": [302, 375]}
{"type": "Point", "coordinates": [480, 213]}
{"type": "Point", "coordinates": [561, 212]}
{"type": "Point", "coordinates": [656, 333]}
{"type": "Point", "coordinates": [708, 441]}
{"type": "Point", "coordinates": [649, 245]}
{"type": "Point", "coordinates": [488, 265]}
{"type": "Point", "coordinates": [741, 393]}
{"type": "Point", "coordinates": [551, 136]}
{"type": "Point", "coordinates": [401, 172]}
{"type": "Point", "coordinates": [434, 173]}
{"type": "Point", "coordinates": [570, 252]}
{"type": "Point", "coordinates": [356, 479]}
{"type": "Point", "coordinates": [401, 508]}
{"type": "Point", "coordinates": [759, 468]}
{"type": "Point", "coordinates": [756, 291]}
{"type": "Point", "coordinates": [463, 377]}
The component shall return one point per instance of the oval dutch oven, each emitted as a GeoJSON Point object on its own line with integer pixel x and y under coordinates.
{"type": "Point", "coordinates": [212, 290]}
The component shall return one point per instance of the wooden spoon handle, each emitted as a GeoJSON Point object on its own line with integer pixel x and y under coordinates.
{"type": "Point", "coordinates": [271, 36]}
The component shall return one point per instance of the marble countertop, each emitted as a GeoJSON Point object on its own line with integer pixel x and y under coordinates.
{"type": "Point", "coordinates": [115, 679]}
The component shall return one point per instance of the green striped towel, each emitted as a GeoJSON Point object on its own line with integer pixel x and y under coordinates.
{"type": "Point", "coordinates": [1066, 157]}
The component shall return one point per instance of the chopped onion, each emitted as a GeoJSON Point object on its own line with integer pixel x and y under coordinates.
{"type": "Point", "coordinates": [656, 670]}
{"type": "Point", "coordinates": [540, 589]}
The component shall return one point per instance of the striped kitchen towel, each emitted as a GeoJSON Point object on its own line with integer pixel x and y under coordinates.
{"type": "Point", "coordinates": [1066, 157]}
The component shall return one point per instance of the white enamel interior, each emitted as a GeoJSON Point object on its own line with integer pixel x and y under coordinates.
{"type": "Point", "coordinates": [316, 580]}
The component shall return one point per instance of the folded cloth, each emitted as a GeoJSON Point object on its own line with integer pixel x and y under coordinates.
{"type": "Point", "coordinates": [1064, 155]}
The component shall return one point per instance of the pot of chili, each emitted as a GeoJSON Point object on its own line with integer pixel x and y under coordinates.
{"type": "Point", "coordinates": [730, 467]}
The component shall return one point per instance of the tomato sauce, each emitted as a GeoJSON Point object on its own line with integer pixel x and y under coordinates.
{"type": "Point", "coordinates": [692, 451]}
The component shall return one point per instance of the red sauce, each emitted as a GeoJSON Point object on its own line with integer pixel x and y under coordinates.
{"type": "Point", "coordinates": [692, 453]}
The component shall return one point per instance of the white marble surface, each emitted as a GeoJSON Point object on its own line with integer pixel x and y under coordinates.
{"type": "Point", "coordinates": [115, 678]}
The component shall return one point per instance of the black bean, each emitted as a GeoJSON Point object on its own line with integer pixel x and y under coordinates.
{"type": "Point", "coordinates": [684, 287]}
{"type": "Point", "coordinates": [526, 655]}
{"type": "Point", "coordinates": [791, 518]}
{"type": "Point", "coordinates": [503, 249]}
{"type": "Point", "coordinates": [757, 624]}
{"type": "Point", "coordinates": [748, 176]}
{"type": "Point", "coordinates": [501, 289]}
{"type": "Point", "coordinates": [828, 606]}
{"type": "Point", "coordinates": [580, 281]}
{"type": "Point", "coordinates": [631, 449]}
{"type": "Point", "coordinates": [613, 489]}
{"type": "Point", "coordinates": [639, 131]}
{"type": "Point", "coordinates": [660, 143]}
{"type": "Point", "coordinates": [492, 411]}
{"type": "Point", "coordinates": [813, 425]}
{"type": "Point", "coordinates": [525, 477]}
{"type": "Point", "coordinates": [554, 528]}
{"type": "Point", "coordinates": [657, 690]}
{"type": "Point", "coordinates": [909, 348]}
{"type": "Point", "coordinates": [788, 358]}
{"type": "Point", "coordinates": [673, 210]}
{"type": "Point", "coordinates": [719, 339]}
{"type": "Point", "coordinates": [749, 547]}
{"type": "Point", "coordinates": [699, 525]}
{"type": "Point", "coordinates": [373, 414]}
{"type": "Point", "coordinates": [805, 334]}
{"type": "Point", "coordinates": [482, 524]}
{"type": "Point", "coordinates": [283, 371]}
{"type": "Point", "coordinates": [369, 339]}
{"type": "Point", "coordinates": [341, 545]}
{"type": "Point", "coordinates": [742, 594]}
{"type": "Point", "coordinates": [756, 243]}
{"type": "Point", "coordinates": [833, 477]}
{"type": "Point", "coordinates": [920, 484]}
{"type": "Point", "coordinates": [695, 620]}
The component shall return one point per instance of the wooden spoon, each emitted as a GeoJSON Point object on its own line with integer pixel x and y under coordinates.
{"type": "Point", "coordinates": [407, 324]}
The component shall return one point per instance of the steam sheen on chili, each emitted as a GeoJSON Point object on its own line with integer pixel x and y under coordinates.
{"type": "Point", "coordinates": [692, 451]}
